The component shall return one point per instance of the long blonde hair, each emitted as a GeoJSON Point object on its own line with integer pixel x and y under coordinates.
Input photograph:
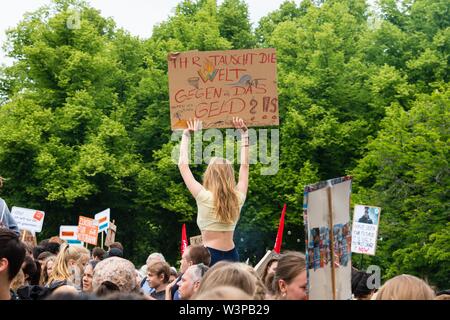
{"type": "Point", "coordinates": [61, 267]}
{"type": "Point", "coordinates": [405, 287]}
{"type": "Point", "coordinates": [225, 273]}
{"type": "Point", "coordinates": [44, 276]}
{"type": "Point", "coordinates": [219, 179]}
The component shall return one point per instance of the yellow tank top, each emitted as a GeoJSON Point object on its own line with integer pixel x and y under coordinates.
{"type": "Point", "coordinates": [206, 219]}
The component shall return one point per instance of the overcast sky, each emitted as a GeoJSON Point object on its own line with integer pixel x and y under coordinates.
{"type": "Point", "coordinates": [136, 16]}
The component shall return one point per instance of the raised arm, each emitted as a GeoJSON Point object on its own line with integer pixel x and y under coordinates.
{"type": "Point", "coordinates": [242, 185]}
{"type": "Point", "coordinates": [183, 163]}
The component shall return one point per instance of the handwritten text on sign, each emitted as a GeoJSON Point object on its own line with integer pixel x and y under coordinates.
{"type": "Point", "coordinates": [215, 86]}
{"type": "Point", "coordinates": [88, 230]}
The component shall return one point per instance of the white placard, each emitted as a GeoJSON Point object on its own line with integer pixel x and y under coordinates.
{"type": "Point", "coordinates": [70, 235]}
{"type": "Point", "coordinates": [28, 219]}
{"type": "Point", "coordinates": [103, 220]}
{"type": "Point", "coordinates": [365, 229]}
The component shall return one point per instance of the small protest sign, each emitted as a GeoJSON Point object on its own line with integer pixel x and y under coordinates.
{"type": "Point", "coordinates": [103, 220]}
{"type": "Point", "coordinates": [261, 265]}
{"type": "Point", "coordinates": [111, 234]}
{"type": "Point", "coordinates": [70, 235]}
{"type": "Point", "coordinates": [28, 219]}
{"type": "Point", "coordinates": [87, 230]}
{"type": "Point", "coordinates": [197, 240]}
{"type": "Point", "coordinates": [365, 229]}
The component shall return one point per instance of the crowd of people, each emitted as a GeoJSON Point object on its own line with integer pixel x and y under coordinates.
{"type": "Point", "coordinates": [54, 270]}
{"type": "Point", "coordinates": [211, 271]}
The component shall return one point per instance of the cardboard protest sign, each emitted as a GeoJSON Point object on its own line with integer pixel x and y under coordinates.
{"type": "Point", "coordinates": [87, 230]}
{"type": "Point", "coordinates": [70, 235]}
{"type": "Point", "coordinates": [326, 212]}
{"type": "Point", "coordinates": [365, 229]}
{"type": "Point", "coordinates": [111, 234]}
{"type": "Point", "coordinates": [103, 220]}
{"type": "Point", "coordinates": [261, 265]}
{"type": "Point", "coordinates": [28, 219]}
{"type": "Point", "coordinates": [215, 86]}
{"type": "Point", "coordinates": [196, 240]}
{"type": "Point", "coordinates": [28, 237]}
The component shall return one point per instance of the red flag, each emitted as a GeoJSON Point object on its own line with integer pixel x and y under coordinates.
{"type": "Point", "coordinates": [184, 242]}
{"type": "Point", "coordinates": [277, 247]}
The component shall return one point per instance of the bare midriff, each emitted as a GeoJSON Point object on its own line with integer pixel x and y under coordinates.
{"type": "Point", "coordinates": [220, 240]}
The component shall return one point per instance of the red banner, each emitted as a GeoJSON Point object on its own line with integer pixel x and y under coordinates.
{"type": "Point", "coordinates": [184, 242]}
{"type": "Point", "coordinates": [279, 240]}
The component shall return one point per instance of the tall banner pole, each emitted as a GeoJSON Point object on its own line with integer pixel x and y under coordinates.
{"type": "Point", "coordinates": [102, 239]}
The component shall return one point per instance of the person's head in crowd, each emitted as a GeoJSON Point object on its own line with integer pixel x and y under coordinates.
{"type": "Point", "coordinates": [139, 276]}
{"type": "Point", "coordinates": [269, 269]}
{"type": "Point", "coordinates": [405, 287]}
{"type": "Point", "coordinates": [31, 270]}
{"type": "Point", "coordinates": [116, 270]}
{"type": "Point", "coordinates": [37, 251]}
{"type": "Point", "coordinates": [88, 274]}
{"type": "Point", "coordinates": [225, 273]}
{"type": "Point", "coordinates": [66, 292]}
{"type": "Point", "coordinates": [223, 293]}
{"type": "Point", "coordinates": [194, 254]}
{"type": "Point", "coordinates": [114, 252]}
{"type": "Point", "coordinates": [42, 243]}
{"type": "Point", "coordinates": [290, 281]}
{"type": "Point", "coordinates": [29, 250]}
{"type": "Point", "coordinates": [442, 295]}
{"type": "Point", "coordinates": [158, 275]}
{"type": "Point", "coordinates": [360, 289]}
{"type": "Point", "coordinates": [117, 295]}
{"type": "Point", "coordinates": [52, 247]}
{"type": "Point", "coordinates": [66, 267]}
{"type": "Point", "coordinates": [191, 279]}
{"type": "Point", "coordinates": [12, 255]}
{"type": "Point", "coordinates": [43, 256]}
{"type": "Point", "coordinates": [106, 288]}
{"type": "Point", "coordinates": [116, 245]}
{"type": "Point", "coordinates": [85, 256]}
{"type": "Point", "coordinates": [173, 274]}
{"type": "Point", "coordinates": [82, 261]}
{"type": "Point", "coordinates": [261, 291]}
{"type": "Point", "coordinates": [47, 268]}
{"type": "Point", "coordinates": [153, 257]}
{"type": "Point", "coordinates": [57, 240]}
{"type": "Point", "coordinates": [18, 281]}
{"type": "Point", "coordinates": [98, 254]}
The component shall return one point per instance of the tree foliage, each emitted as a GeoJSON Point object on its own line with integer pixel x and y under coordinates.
{"type": "Point", "coordinates": [85, 124]}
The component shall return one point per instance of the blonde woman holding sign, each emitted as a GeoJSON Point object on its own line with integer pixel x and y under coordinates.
{"type": "Point", "coordinates": [219, 199]}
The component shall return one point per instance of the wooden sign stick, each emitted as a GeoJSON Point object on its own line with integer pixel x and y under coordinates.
{"type": "Point", "coordinates": [330, 210]}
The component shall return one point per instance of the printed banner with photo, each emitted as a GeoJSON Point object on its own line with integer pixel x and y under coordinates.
{"type": "Point", "coordinates": [215, 86]}
{"type": "Point", "coordinates": [326, 212]}
{"type": "Point", "coordinates": [365, 229]}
